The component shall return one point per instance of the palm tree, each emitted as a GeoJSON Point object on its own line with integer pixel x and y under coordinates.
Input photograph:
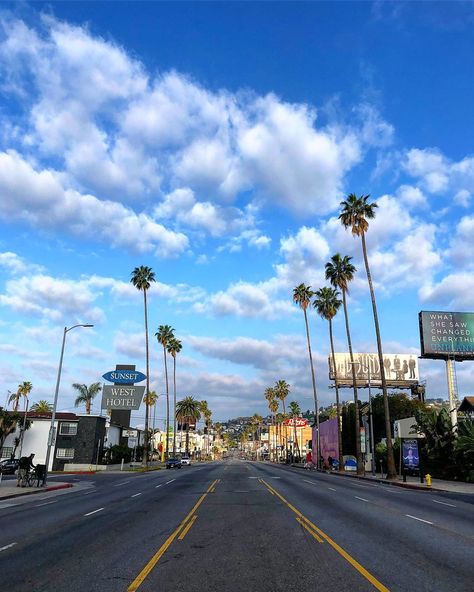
{"type": "Point", "coordinates": [327, 304]}
{"type": "Point", "coordinates": [340, 272]}
{"type": "Point", "coordinates": [186, 410]}
{"type": "Point", "coordinates": [302, 295]}
{"type": "Point", "coordinates": [151, 399]}
{"type": "Point", "coordinates": [142, 278]}
{"type": "Point", "coordinates": [164, 335]}
{"type": "Point", "coordinates": [282, 390]}
{"type": "Point", "coordinates": [255, 422]}
{"type": "Point", "coordinates": [356, 211]}
{"type": "Point", "coordinates": [273, 406]}
{"type": "Point", "coordinates": [295, 412]}
{"type": "Point", "coordinates": [23, 390]}
{"type": "Point", "coordinates": [86, 394]}
{"type": "Point", "coordinates": [207, 414]}
{"type": "Point", "coordinates": [42, 406]}
{"type": "Point", "coordinates": [174, 347]}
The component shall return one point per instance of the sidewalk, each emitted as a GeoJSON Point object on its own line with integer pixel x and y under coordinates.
{"type": "Point", "coordinates": [411, 482]}
{"type": "Point", "coordinates": [8, 489]}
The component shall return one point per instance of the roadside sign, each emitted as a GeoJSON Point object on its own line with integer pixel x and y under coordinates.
{"type": "Point", "coordinates": [132, 442]}
{"type": "Point", "coordinates": [129, 433]}
{"type": "Point", "coordinates": [122, 397]}
{"type": "Point", "coordinates": [124, 376]}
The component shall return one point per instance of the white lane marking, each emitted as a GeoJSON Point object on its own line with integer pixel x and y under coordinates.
{"type": "Point", "coordinates": [362, 499]}
{"type": "Point", "coordinates": [331, 488]}
{"type": "Point", "coordinates": [420, 519]}
{"type": "Point", "coordinates": [8, 546]}
{"type": "Point", "coordinates": [275, 477]}
{"type": "Point", "coordinates": [90, 513]}
{"type": "Point", "coordinates": [306, 481]}
{"type": "Point", "coordinates": [135, 494]}
{"type": "Point", "coordinates": [122, 483]}
{"type": "Point", "coordinates": [254, 477]}
{"type": "Point", "coordinates": [45, 504]}
{"type": "Point", "coordinates": [444, 504]}
{"type": "Point", "coordinates": [160, 485]}
{"type": "Point", "coordinates": [168, 482]}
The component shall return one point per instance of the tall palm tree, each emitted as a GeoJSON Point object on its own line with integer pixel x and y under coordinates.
{"type": "Point", "coordinates": [151, 399]}
{"type": "Point", "coordinates": [42, 406]}
{"type": "Point", "coordinates": [174, 347]}
{"type": "Point", "coordinates": [23, 390]}
{"type": "Point", "coordinates": [86, 394]}
{"type": "Point", "coordinates": [273, 406]}
{"type": "Point", "coordinates": [142, 278]}
{"type": "Point", "coordinates": [340, 272]}
{"type": "Point", "coordinates": [327, 304]}
{"type": "Point", "coordinates": [302, 295]}
{"type": "Point", "coordinates": [164, 335]}
{"type": "Point", "coordinates": [207, 414]}
{"type": "Point", "coordinates": [282, 390]}
{"type": "Point", "coordinates": [356, 211]}
{"type": "Point", "coordinates": [295, 412]}
{"type": "Point", "coordinates": [188, 409]}
{"type": "Point", "coordinates": [255, 422]}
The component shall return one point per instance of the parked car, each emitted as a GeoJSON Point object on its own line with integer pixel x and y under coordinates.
{"type": "Point", "coordinates": [9, 466]}
{"type": "Point", "coordinates": [185, 460]}
{"type": "Point", "coordinates": [173, 463]}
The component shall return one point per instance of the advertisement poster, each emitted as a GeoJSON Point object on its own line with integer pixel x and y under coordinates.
{"type": "Point", "coordinates": [400, 369]}
{"type": "Point", "coordinates": [328, 438]}
{"type": "Point", "coordinates": [411, 458]}
{"type": "Point", "coordinates": [447, 335]}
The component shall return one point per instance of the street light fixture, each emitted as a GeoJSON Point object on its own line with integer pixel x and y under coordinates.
{"type": "Point", "coordinates": [51, 435]}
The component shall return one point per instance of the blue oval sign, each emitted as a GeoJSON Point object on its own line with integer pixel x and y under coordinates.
{"type": "Point", "coordinates": [124, 376]}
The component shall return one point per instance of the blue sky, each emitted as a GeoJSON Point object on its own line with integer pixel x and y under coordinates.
{"type": "Point", "coordinates": [213, 142]}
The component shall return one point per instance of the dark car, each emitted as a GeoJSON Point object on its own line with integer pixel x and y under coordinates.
{"type": "Point", "coordinates": [9, 466]}
{"type": "Point", "coordinates": [173, 463]}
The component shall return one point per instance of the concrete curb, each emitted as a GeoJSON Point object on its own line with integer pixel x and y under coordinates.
{"type": "Point", "coordinates": [39, 490]}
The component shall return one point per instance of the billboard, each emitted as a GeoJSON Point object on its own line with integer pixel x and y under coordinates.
{"type": "Point", "coordinates": [446, 335]}
{"type": "Point", "coordinates": [299, 422]}
{"type": "Point", "coordinates": [411, 458]}
{"type": "Point", "coordinates": [401, 370]}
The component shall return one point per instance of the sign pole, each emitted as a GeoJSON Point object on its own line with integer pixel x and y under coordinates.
{"type": "Point", "coordinates": [452, 392]}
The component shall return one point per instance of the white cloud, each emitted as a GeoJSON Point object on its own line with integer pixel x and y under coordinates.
{"type": "Point", "coordinates": [452, 292]}
{"type": "Point", "coordinates": [43, 295]}
{"type": "Point", "coordinates": [39, 199]}
{"type": "Point", "coordinates": [462, 244]}
{"type": "Point", "coordinates": [412, 196]}
{"type": "Point", "coordinates": [263, 354]}
{"type": "Point", "coordinates": [16, 264]}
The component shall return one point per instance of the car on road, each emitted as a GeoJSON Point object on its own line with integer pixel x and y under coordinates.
{"type": "Point", "coordinates": [185, 460]}
{"type": "Point", "coordinates": [173, 463]}
{"type": "Point", "coordinates": [9, 466]}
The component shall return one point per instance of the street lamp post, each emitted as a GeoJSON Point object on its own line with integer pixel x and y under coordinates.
{"type": "Point", "coordinates": [51, 434]}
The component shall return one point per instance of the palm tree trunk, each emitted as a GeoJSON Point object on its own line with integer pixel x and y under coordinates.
{"type": "Point", "coordinates": [315, 395]}
{"type": "Point", "coordinates": [88, 406]}
{"type": "Point", "coordinates": [174, 406]}
{"type": "Point", "coordinates": [391, 470]}
{"type": "Point", "coordinates": [360, 466]}
{"type": "Point", "coordinates": [187, 438]}
{"type": "Point", "coordinates": [338, 405]}
{"type": "Point", "coordinates": [147, 407]}
{"type": "Point", "coordinates": [286, 432]}
{"type": "Point", "coordinates": [295, 439]}
{"type": "Point", "coordinates": [167, 407]}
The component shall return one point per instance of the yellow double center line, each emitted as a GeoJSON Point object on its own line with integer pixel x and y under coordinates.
{"type": "Point", "coordinates": [315, 531]}
{"type": "Point", "coordinates": [185, 525]}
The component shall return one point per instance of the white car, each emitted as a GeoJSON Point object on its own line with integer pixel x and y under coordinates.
{"type": "Point", "coordinates": [185, 460]}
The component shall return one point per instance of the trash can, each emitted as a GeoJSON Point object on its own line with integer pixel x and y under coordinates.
{"type": "Point", "coordinates": [40, 471]}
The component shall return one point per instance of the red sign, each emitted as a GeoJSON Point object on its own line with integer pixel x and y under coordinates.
{"type": "Point", "coordinates": [300, 422]}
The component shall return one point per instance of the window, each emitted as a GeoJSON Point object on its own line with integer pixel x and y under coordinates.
{"type": "Point", "coordinates": [6, 452]}
{"type": "Point", "coordinates": [65, 453]}
{"type": "Point", "coordinates": [67, 428]}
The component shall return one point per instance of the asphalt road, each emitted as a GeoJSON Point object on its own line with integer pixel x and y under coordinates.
{"type": "Point", "coordinates": [233, 526]}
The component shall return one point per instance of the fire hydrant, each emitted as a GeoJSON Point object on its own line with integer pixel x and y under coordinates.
{"type": "Point", "coordinates": [428, 480]}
